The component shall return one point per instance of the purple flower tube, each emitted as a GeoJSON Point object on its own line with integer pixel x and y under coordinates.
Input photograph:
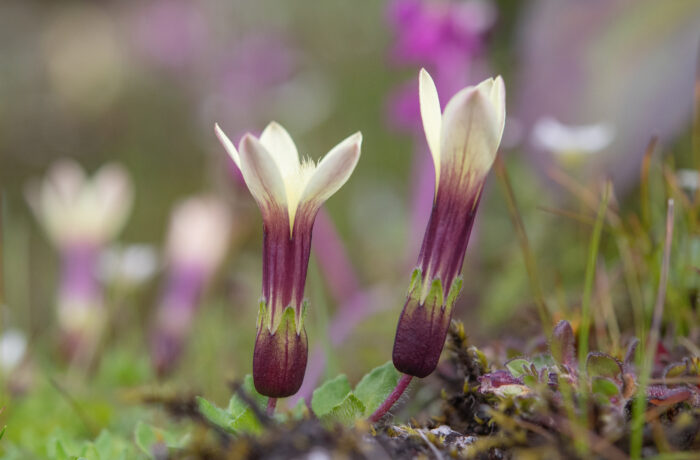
{"type": "Point", "coordinates": [463, 142]}
{"type": "Point", "coordinates": [80, 215]}
{"type": "Point", "coordinates": [289, 194]}
{"type": "Point", "coordinates": [197, 241]}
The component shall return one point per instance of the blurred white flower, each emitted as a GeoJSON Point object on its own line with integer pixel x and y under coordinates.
{"type": "Point", "coordinates": [688, 179]}
{"type": "Point", "coordinates": [13, 346]}
{"type": "Point", "coordinates": [198, 235]}
{"type": "Point", "coordinates": [74, 209]}
{"type": "Point", "coordinates": [132, 264]}
{"type": "Point", "coordinates": [555, 137]}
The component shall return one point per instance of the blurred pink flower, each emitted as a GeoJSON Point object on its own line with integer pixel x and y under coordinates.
{"type": "Point", "coordinates": [170, 32]}
{"type": "Point", "coordinates": [197, 242]}
{"type": "Point", "coordinates": [442, 37]}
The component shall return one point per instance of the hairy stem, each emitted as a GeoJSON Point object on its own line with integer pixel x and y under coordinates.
{"type": "Point", "coordinates": [391, 399]}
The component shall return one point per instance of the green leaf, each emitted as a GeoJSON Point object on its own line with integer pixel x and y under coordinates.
{"type": "Point", "coordinates": [542, 361]}
{"type": "Point", "coordinates": [214, 414]}
{"type": "Point", "coordinates": [2, 432]}
{"type": "Point", "coordinates": [147, 436]}
{"type": "Point", "coordinates": [236, 406]}
{"type": "Point", "coordinates": [90, 452]}
{"type": "Point", "coordinates": [603, 365]}
{"type": "Point", "coordinates": [518, 367]}
{"type": "Point", "coordinates": [60, 451]}
{"type": "Point", "coordinates": [247, 422]}
{"type": "Point", "coordinates": [349, 410]}
{"type": "Point", "coordinates": [675, 370]}
{"type": "Point", "coordinates": [243, 417]}
{"type": "Point", "coordinates": [329, 395]}
{"type": "Point", "coordinates": [604, 387]}
{"type": "Point", "coordinates": [530, 380]}
{"type": "Point", "coordinates": [238, 417]}
{"type": "Point", "coordinates": [113, 447]}
{"type": "Point", "coordinates": [374, 387]}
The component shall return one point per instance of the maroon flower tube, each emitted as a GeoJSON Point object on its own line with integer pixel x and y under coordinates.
{"type": "Point", "coordinates": [281, 345]}
{"type": "Point", "coordinates": [463, 142]}
{"type": "Point", "coordinates": [289, 194]}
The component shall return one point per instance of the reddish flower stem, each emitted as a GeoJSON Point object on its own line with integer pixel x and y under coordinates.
{"type": "Point", "coordinates": [391, 399]}
{"type": "Point", "coordinates": [271, 404]}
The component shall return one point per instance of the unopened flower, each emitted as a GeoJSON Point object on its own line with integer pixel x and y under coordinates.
{"type": "Point", "coordinates": [197, 241]}
{"type": "Point", "coordinates": [289, 193]}
{"type": "Point", "coordinates": [463, 142]}
{"type": "Point", "coordinates": [80, 215]}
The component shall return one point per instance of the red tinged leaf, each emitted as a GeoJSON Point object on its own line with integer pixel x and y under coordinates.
{"type": "Point", "coordinates": [563, 342]}
{"type": "Point", "coordinates": [660, 395]}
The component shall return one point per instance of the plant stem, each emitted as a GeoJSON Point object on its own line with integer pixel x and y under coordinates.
{"type": "Point", "coordinates": [528, 255]}
{"type": "Point", "coordinates": [580, 443]}
{"type": "Point", "coordinates": [391, 399]}
{"type": "Point", "coordinates": [271, 404]}
{"type": "Point", "coordinates": [640, 403]}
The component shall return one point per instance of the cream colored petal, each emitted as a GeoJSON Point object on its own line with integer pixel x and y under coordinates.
{"type": "Point", "coordinates": [67, 178]}
{"type": "Point", "coordinates": [333, 171]}
{"type": "Point", "coordinates": [280, 145]}
{"type": "Point", "coordinates": [113, 195]}
{"type": "Point", "coordinates": [432, 117]}
{"type": "Point", "coordinates": [228, 145]}
{"type": "Point", "coordinates": [56, 214]}
{"type": "Point", "coordinates": [471, 134]}
{"type": "Point", "coordinates": [261, 174]}
{"type": "Point", "coordinates": [199, 233]}
{"type": "Point", "coordinates": [498, 99]}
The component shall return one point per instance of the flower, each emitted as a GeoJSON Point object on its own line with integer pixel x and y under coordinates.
{"type": "Point", "coordinates": [80, 215]}
{"type": "Point", "coordinates": [463, 142]}
{"type": "Point", "coordinates": [572, 140]}
{"type": "Point", "coordinates": [75, 209]}
{"type": "Point", "coordinates": [289, 193]}
{"type": "Point", "coordinates": [197, 241]}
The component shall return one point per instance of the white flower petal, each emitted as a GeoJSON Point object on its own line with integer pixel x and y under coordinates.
{"type": "Point", "coordinates": [67, 178]}
{"type": "Point", "coordinates": [113, 197]}
{"type": "Point", "coordinates": [432, 117]}
{"type": "Point", "coordinates": [471, 133]}
{"type": "Point", "coordinates": [280, 145]}
{"type": "Point", "coordinates": [333, 171]}
{"type": "Point", "coordinates": [228, 145]}
{"type": "Point", "coordinates": [261, 174]}
{"type": "Point", "coordinates": [498, 99]}
{"type": "Point", "coordinates": [199, 233]}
